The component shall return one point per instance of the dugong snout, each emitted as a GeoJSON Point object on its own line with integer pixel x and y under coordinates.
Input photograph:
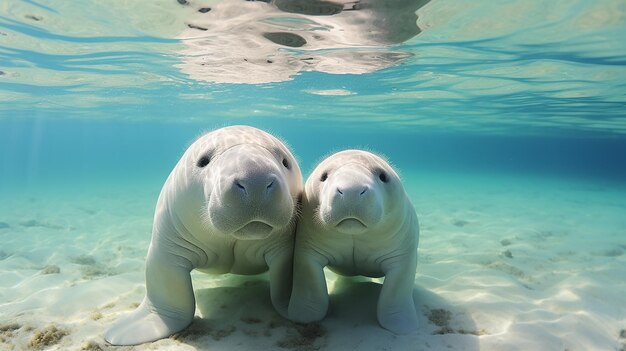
{"type": "Point", "coordinates": [353, 193]}
{"type": "Point", "coordinates": [250, 198]}
{"type": "Point", "coordinates": [257, 187]}
{"type": "Point", "coordinates": [351, 202]}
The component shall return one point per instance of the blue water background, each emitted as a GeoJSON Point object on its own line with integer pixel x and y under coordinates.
{"type": "Point", "coordinates": [37, 154]}
{"type": "Point", "coordinates": [541, 93]}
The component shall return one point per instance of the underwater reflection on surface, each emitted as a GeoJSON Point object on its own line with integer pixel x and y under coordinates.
{"type": "Point", "coordinates": [259, 42]}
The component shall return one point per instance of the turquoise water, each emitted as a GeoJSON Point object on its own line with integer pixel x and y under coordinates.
{"type": "Point", "coordinates": [519, 101]}
{"type": "Point", "coordinates": [532, 86]}
{"type": "Point", "coordinates": [41, 152]}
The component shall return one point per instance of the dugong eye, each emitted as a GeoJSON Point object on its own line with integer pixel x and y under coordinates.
{"type": "Point", "coordinates": [383, 177]}
{"type": "Point", "coordinates": [286, 163]}
{"type": "Point", "coordinates": [324, 177]}
{"type": "Point", "coordinates": [203, 161]}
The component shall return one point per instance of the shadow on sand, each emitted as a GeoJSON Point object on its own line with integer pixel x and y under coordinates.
{"type": "Point", "coordinates": [240, 317]}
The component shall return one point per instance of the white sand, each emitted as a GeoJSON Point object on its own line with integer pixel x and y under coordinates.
{"type": "Point", "coordinates": [506, 263]}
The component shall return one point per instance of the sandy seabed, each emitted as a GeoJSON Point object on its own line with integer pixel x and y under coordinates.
{"type": "Point", "coordinates": [505, 263]}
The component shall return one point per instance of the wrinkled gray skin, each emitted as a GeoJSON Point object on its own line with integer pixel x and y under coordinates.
{"type": "Point", "coordinates": [229, 206]}
{"type": "Point", "coordinates": [357, 220]}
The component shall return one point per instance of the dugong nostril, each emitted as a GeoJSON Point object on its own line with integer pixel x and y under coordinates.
{"type": "Point", "coordinates": [273, 184]}
{"type": "Point", "coordinates": [339, 191]}
{"type": "Point", "coordinates": [240, 186]}
{"type": "Point", "coordinates": [364, 191]}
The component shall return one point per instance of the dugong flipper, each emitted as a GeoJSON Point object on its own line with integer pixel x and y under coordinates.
{"type": "Point", "coordinates": [229, 206]}
{"type": "Point", "coordinates": [357, 220]}
{"type": "Point", "coordinates": [169, 304]}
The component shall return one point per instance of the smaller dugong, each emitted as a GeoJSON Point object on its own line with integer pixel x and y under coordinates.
{"type": "Point", "coordinates": [229, 206]}
{"type": "Point", "coordinates": [357, 220]}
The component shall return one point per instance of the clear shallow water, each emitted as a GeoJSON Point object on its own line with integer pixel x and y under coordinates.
{"type": "Point", "coordinates": [531, 85]}
{"type": "Point", "coordinates": [505, 118]}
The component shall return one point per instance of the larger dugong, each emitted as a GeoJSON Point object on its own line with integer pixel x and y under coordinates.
{"type": "Point", "coordinates": [357, 220]}
{"type": "Point", "coordinates": [229, 206]}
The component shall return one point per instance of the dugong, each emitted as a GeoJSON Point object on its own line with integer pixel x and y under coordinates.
{"type": "Point", "coordinates": [229, 206]}
{"type": "Point", "coordinates": [357, 220]}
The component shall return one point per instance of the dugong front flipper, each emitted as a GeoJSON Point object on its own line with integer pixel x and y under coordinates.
{"type": "Point", "coordinates": [310, 294]}
{"type": "Point", "coordinates": [169, 304]}
{"type": "Point", "coordinates": [396, 309]}
{"type": "Point", "coordinates": [280, 268]}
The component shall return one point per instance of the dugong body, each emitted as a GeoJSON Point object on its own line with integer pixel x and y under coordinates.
{"type": "Point", "coordinates": [229, 206]}
{"type": "Point", "coordinates": [357, 220]}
